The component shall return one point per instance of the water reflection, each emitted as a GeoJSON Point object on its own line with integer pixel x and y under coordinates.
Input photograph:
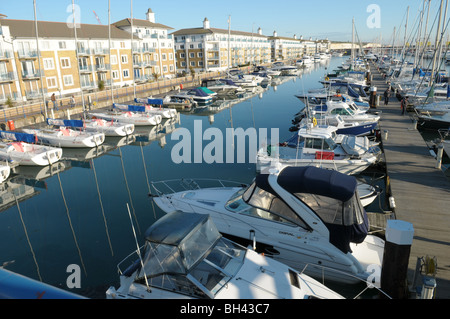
{"type": "Point", "coordinates": [75, 212]}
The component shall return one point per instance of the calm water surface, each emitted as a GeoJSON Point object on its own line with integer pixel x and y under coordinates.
{"type": "Point", "coordinates": [77, 213]}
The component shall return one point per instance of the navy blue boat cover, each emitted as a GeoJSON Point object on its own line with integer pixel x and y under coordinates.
{"type": "Point", "coordinates": [329, 183]}
{"type": "Point", "coordinates": [17, 136]}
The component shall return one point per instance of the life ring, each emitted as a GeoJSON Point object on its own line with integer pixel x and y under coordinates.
{"type": "Point", "coordinates": [327, 78]}
{"type": "Point", "coordinates": [314, 121]}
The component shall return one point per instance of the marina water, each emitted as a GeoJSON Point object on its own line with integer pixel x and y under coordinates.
{"type": "Point", "coordinates": [77, 215]}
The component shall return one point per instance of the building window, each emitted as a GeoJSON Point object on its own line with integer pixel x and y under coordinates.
{"type": "Point", "coordinates": [65, 63]}
{"type": "Point", "coordinates": [68, 80]}
{"type": "Point", "coordinates": [192, 63]}
{"type": "Point", "coordinates": [113, 59]}
{"type": "Point", "coordinates": [200, 63]}
{"type": "Point", "coordinates": [165, 68]}
{"type": "Point", "coordinates": [182, 55]}
{"type": "Point", "coordinates": [115, 74]}
{"type": "Point", "coordinates": [192, 55]}
{"type": "Point", "coordinates": [200, 54]}
{"type": "Point", "coordinates": [126, 73]}
{"type": "Point", "coordinates": [48, 64]}
{"type": "Point", "coordinates": [122, 44]}
{"type": "Point", "coordinates": [171, 56]}
{"type": "Point", "coordinates": [51, 82]}
{"type": "Point", "coordinates": [62, 44]}
{"type": "Point", "coordinates": [164, 56]}
{"type": "Point", "coordinates": [124, 58]}
{"type": "Point", "coordinates": [183, 64]}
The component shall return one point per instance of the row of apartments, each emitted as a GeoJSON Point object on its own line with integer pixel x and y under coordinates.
{"type": "Point", "coordinates": [55, 58]}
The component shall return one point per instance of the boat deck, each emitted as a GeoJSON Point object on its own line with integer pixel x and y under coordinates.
{"type": "Point", "coordinates": [421, 191]}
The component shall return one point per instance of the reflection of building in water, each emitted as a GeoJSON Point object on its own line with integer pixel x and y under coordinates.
{"type": "Point", "coordinates": [10, 191]}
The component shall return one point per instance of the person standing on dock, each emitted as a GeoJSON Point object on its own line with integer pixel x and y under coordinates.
{"type": "Point", "coordinates": [53, 98]}
{"type": "Point", "coordinates": [387, 95]}
{"type": "Point", "coordinates": [404, 104]}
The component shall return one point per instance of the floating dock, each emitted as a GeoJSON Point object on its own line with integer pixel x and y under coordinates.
{"type": "Point", "coordinates": [421, 191]}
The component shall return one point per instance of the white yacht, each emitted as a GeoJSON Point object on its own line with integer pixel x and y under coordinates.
{"type": "Point", "coordinates": [66, 137]}
{"type": "Point", "coordinates": [320, 146]}
{"type": "Point", "coordinates": [185, 256]}
{"type": "Point", "coordinates": [301, 216]}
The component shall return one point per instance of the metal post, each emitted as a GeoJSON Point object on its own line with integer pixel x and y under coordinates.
{"type": "Point", "coordinates": [439, 156]}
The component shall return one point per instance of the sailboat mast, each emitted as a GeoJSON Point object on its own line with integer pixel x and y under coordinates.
{"type": "Point", "coordinates": [78, 61]}
{"type": "Point", "coordinates": [109, 44]}
{"type": "Point", "coordinates": [433, 68]}
{"type": "Point", "coordinates": [39, 59]}
{"type": "Point", "coordinates": [132, 56]}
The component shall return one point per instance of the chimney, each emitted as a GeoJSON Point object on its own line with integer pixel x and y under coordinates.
{"type": "Point", "coordinates": [295, 36]}
{"type": "Point", "coordinates": [150, 15]}
{"type": "Point", "coordinates": [259, 31]}
{"type": "Point", "coordinates": [275, 34]}
{"type": "Point", "coordinates": [206, 24]}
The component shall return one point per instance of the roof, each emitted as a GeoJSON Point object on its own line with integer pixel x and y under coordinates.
{"type": "Point", "coordinates": [201, 30]}
{"type": "Point", "coordinates": [49, 29]}
{"type": "Point", "coordinates": [172, 228]}
{"type": "Point", "coordinates": [140, 23]}
{"type": "Point", "coordinates": [312, 180]}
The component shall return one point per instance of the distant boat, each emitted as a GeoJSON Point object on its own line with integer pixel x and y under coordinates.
{"type": "Point", "coordinates": [222, 86]}
{"type": "Point", "coordinates": [166, 113]}
{"type": "Point", "coordinates": [179, 102]}
{"type": "Point", "coordinates": [185, 256]}
{"type": "Point", "coordinates": [320, 146]}
{"type": "Point", "coordinates": [197, 95]}
{"type": "Point", "coordinates": [109, 128]}
{"type": "Point", "coordinates": [21, 149]}
{"type": "Point", "coordinates": [433, 122]}
{"type": "Point", "coordinates": [138, 119]}
{"type": "Point", "coordinates": [67, 137]}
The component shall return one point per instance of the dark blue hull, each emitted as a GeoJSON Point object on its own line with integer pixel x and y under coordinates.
{"type": "Point", "coordinates": [363, 129]}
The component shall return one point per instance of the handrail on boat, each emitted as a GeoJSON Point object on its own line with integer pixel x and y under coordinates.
{"type": "Point", "coordinates": [191, 184]}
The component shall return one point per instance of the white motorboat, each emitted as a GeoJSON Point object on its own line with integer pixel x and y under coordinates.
{"type": "Point", "coordinates": [239, 77]}
{"type": "Point", "coordinates": [21, 149]}
{"type": "Point", "coordinates": [301, 216]}
{"type": "Point", "coordinates": [285, 69]}
{"type": "Point", "coordinates": [148, 107]}
{"type": "Point", "coordinates": [67, 137]}
{"type": "Point", "coordinates": [320, 146]}
{"type": "Point", "coordinates": [185, 256]}
{"type": "Point", "coordinates": [270, 72]}
{"type": "Point", "coordinates": [197, 95]}
{"type": "Point", "coordinates": [222, 86]}
{"type": "Point", "coordinates": [179, 102]}
{"type": "Point", "coordinates": [344, 110]}
{"type": "Point", "coordinates": [138, 119]}
{"type": "Point", "coordinates": [109, 128]}
{"type": "Point", "coordinates": [307, 60]}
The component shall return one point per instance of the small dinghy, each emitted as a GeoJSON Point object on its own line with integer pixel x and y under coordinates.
{"type": "Point", "coordinates": [20, 149]}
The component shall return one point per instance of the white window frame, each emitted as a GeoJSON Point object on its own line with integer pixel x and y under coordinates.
{"type": "Point", "coordinates": [124, 61]}
{"type": "Point", "coordinates": [46, 62]}
{"type": "Point", "coordinates": [68, 77]}
{"type": "Point", "coordinates": [65, 59]}
{"type": "Point", "coordinates": [113, 59]}
{"type": "Point", "coordinates": [52, 78]}
{"type": "Point", "coordinates": [126, 73]}
{"type": "Point", "coordinates": [115, 75]}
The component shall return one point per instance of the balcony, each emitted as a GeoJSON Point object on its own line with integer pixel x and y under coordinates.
{"type": "Point", "coordinates": [102, 67]}
{"type": "Point", "coordinates": [84, 51]}
{"type": "Point", "coordinates": [87, 85]}
{"type": "Point", "coordinates": [6, 54]}
{"type": "Point", "coordinates": [100, 51]}
{"type": "Point", "coordinates": [29, 75]}
{"type": "Point", "coordinates": [27, 54]}
{"type": "Point", "coordinates": [34, 94]}
{"type": "Point", "coordinates": [7, 77]}
{"type": "Point", "coordinates": [86, 68]}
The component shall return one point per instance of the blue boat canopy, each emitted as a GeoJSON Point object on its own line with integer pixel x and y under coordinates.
{"type": "Point", "coordinates": [68, 123]}
{"type": "Point", "coordinates": [18, 136]}
{"type": "Point", "coordinates": [198, 92]}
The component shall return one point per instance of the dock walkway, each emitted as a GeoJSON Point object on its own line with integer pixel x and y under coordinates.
{"type": "Point", "coordinates": [421, 191]}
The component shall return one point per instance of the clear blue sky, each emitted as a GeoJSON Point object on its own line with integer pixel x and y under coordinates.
{"type": "Point", "coordinates": [311, 18]}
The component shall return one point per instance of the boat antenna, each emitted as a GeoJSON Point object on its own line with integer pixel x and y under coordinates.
{"type": "Point", "coordinates": [138, 250]}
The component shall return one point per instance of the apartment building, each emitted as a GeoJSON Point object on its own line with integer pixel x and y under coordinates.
{"type": "Point", "coordinates": [211, 49]}
{"type": "Point", "coordinates": [57, 61]}
{"type": "Point", "coordinates": [153, 49]}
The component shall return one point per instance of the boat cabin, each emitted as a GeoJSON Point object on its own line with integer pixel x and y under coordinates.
{"type": "Point", "coordinates": [185, 254]}
{"type": "Point", "coordinates": [331, 195]}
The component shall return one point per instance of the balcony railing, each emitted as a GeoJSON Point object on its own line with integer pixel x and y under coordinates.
{"type": "Point", "coordinates": [27, 54]}
{"type": "Point", "coordinates": [86, 68]}
{"type": "Point", "coordinates": [5, 54]}
{"type": "Point", "coordinates": [100, 51]}
{"type": "Point", "coordinates": [34, 94]}
{"type": "Point", "coordinates": [102, 67]}
{"type": "Point", "coordinates": [84, 51]}
{"type": "Point", "coordinates": [26, 75]}
{"type": "Point", "coordinates": [7, 77]}
{"type": "Point", "coordinates": [87, 85]}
